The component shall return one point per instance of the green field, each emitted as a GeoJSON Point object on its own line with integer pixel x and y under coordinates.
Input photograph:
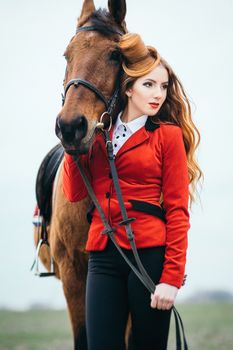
{"type": "Point", "coordinates": [207, 326]}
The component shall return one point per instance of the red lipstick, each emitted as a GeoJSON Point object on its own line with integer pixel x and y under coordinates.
{"type": "Point", "coordinates": [154, 105]}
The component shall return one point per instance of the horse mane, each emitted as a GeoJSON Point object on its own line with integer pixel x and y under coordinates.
{"type": "Point", "coordinates": [105, 23]}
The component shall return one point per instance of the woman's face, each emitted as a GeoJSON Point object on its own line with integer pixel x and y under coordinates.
{"type": "Point", "coordinates": [148, 93]}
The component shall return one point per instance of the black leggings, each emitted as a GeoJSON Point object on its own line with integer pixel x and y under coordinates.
{"type": "Point", "coordinates": [113, 291]}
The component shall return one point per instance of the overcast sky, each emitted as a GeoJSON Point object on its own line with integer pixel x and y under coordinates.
{"type": "Point", "coordinates": [195, 37]}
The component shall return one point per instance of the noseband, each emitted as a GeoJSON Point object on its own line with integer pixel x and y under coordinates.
{"type": "Point", "coordinates": [109, 103]}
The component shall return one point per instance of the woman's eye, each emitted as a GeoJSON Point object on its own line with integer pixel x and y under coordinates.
{"type": "Point", "coordinates": [147, 84]}
{"type": "Point", "coordinates": [165, 87]}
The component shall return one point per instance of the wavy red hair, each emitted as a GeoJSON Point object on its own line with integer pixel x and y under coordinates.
{"type": "Point", "coordinates": [176, 108]}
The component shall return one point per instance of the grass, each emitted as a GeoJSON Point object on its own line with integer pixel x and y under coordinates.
{"type": "Point", "coordinates": [207, 327]}
{"type": "Point", "coordinates": [35, 330]}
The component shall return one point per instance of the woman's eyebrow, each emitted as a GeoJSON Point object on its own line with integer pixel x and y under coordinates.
{"type": "Point", "coordinates": [154, 81]}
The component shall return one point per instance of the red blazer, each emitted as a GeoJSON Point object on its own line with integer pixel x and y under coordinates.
{"type": "Point", "coordinates": [152, 160]}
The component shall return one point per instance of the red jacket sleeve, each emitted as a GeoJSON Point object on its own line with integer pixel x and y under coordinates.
{"type": "Point", "coordinates": [73, 185]}
{"type": "Point", "coordinates": [175, 187]}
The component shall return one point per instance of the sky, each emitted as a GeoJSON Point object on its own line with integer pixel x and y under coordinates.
{"type": "Point", "coordinates": [195, 37]}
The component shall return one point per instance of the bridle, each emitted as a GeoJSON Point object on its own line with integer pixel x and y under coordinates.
{"type": "Point", "coordinates": [109, 103]}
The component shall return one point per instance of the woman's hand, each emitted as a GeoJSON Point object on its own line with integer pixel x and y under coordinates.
{"type": "Point", "coordinates": [164, 296]}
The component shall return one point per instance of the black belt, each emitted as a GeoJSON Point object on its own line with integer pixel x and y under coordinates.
{"type": "Point", "coordinates": [126, 222]}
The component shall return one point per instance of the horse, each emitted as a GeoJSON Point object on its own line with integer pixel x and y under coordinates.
{"type": "Point", "coordinates": [92, 73]}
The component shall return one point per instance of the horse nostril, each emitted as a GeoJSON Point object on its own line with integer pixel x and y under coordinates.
{"type": "Point", "coordinates": [80, 121]}
{"type": "Point", "coordinates": [72, 132]}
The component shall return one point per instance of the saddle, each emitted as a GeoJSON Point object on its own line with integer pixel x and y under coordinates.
{"type": "Point", "coordinates": [44, 187]}
{"type": "Point", "coordinates": [44, 181]}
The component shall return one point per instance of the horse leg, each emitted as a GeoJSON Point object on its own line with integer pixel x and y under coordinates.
{"type": "Point", "coordinates": [75, 296]}
{"type": "Point", "coordinates": [73, 276]}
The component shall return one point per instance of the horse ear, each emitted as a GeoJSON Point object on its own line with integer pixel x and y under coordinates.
{"type": "Point", "coordinates": [117, 9]}
{"type": "Point", "coordinates": [86, 12]}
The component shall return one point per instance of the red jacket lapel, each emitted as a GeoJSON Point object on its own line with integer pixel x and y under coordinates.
{"type": "Point", "coordinates": [133, 141]}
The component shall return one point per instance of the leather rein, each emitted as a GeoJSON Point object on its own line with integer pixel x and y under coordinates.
{"type": "Point", "coordinates": [126, 222]}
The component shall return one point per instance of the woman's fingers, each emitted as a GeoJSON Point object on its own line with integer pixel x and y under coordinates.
{"type": "Point", "coordinates": [163, 297]}
{"type": "Point", "coordinates": [154, 300]}
{"type": "Point", "coordinates": [161, 303]}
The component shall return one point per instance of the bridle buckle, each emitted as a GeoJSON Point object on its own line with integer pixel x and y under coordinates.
{"type": "Point", "coordinates": [103, 121]}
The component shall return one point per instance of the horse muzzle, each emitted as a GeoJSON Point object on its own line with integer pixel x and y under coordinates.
{"type": "Point", "coordinates": [71, 134]}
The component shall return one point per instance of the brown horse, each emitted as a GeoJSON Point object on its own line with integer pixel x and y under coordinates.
{"type": "Point", "coordinates": [92, 56]}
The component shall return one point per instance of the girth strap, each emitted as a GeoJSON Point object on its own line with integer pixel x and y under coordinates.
{"type": "Point", "coordinates": [140, 272]}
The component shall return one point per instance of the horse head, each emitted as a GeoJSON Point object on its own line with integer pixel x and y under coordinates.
{"type": "Point", "coordinates": [92, 74]}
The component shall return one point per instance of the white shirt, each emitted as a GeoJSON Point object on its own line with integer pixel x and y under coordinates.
{"type": "Point", "coordinates": [122, 131]}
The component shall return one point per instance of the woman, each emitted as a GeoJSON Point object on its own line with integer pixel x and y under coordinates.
{"type": "Point", "coordinates": [154, 143]}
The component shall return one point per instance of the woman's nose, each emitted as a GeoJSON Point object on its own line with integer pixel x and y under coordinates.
{"type": "Point", "coordinates": [157, 92]}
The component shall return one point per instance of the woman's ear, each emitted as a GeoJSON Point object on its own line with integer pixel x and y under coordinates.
{"type": "Point", "coordinates": [128, 92]}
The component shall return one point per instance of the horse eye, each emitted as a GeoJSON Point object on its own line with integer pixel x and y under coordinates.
{"type": "Point", "coordinates": [115, 56]}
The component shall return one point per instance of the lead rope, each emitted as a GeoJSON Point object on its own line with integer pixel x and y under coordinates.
{"type": "Point", "coordinates": [141, 273]}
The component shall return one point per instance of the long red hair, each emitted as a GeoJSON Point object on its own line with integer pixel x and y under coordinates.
{"type": "Point", "coordinates": [176, 108]}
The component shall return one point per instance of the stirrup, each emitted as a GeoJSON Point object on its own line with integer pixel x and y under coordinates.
{"type": "Point", "coordinates": [36, 261]}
